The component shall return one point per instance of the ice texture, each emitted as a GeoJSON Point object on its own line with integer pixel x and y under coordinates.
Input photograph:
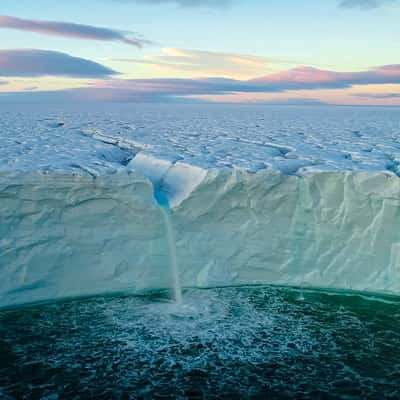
{"type": "Point", "coordinates": [259, 195]}
{"type": "Point", "coordinates": [290, 139]}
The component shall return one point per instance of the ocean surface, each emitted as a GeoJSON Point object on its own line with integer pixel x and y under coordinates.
{"type": "Point", "coordinates": [249, 342]}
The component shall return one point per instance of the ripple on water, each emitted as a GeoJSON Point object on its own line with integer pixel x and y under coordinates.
{"type": "Point", "coordinates": [237, 342]}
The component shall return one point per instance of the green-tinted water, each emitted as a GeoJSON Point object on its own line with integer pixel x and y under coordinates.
{"type": "Point", "coordinates": [258, 342]}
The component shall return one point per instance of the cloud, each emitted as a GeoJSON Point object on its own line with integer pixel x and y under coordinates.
{"type": "Point", "coordinates": [364, 4]}
{"type": "Point", "coordinates": [71, 30]}
{"type": "Point", "coordinates": [313, 78]}
{"type": "Point", "coordinates": [378, 95]}
{"type": "Point", "coordinates": [206, 63]}
{"type": "Point", "coordinates": [296, 79]}
{"type": "Point", "coordinates": [185, 3]}
{"type": "Point", "coordinates": [3, 83]}
{"type": "Point", "coordinates": [293, 102]}
{"type": "Point", "coordinates": [35, 63]}
{"type": "Point", "coordinates": [29, 88]}
{"type": "Point", "coordinates": [293, 80]}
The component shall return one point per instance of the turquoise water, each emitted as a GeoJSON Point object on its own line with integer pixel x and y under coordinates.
{"type": "Point", "coordinates": [253, 342]}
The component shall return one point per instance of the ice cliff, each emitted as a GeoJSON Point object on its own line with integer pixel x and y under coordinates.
{"type": "Point", "coordinates": [64, 235]}
{"type": "Point", "coordinates": [95, 227]}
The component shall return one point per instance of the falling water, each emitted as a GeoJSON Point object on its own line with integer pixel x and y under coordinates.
{"type": "Point", "coordinates": [166, 213]}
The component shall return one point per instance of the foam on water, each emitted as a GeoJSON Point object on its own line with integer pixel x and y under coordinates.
{"type": "Point", "coordinates": [238, 342]}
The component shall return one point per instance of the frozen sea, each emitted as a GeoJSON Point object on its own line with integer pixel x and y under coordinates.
{"type": "Point", "coordinates": [291, 139]}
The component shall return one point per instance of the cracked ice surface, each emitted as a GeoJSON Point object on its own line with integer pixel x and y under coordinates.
{"type": "Point", "coordinates": [285, 138]}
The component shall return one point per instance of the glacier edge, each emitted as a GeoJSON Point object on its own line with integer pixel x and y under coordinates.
{"type": "Point", "coordinates": [66, 235]}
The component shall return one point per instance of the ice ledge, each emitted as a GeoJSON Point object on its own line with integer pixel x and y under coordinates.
{"type": "Point", "coordinates": [64, 235]}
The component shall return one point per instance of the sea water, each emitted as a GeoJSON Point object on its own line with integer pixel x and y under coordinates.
{"type": "Point", "coordinates": [249, 342]}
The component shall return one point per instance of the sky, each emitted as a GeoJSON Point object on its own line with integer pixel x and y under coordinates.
{"type": "Point", "coordinates": [250, 51]}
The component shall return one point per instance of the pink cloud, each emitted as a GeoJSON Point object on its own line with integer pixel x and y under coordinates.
{"type": "Point", "coordinates": [293, 80]}
{"type": "Point", "coordinates": [35, 63]}
{"type": "Point", "coordinates": [309, 78]}
{"type": "Point", "coordinates": [301, 75]}
{"type": "Point", "coordinates": [302, 78]}
{"type": "Point", "coordinates": [71, 30]}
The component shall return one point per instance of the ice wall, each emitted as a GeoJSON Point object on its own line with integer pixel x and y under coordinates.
{"type": "Point", "coordinates": [332, 230]}
{"type": "Point", "coordinates": [67, 235]}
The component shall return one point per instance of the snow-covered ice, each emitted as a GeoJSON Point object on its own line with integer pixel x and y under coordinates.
{"type": "Point", "coordinates": [286, 138]}
{"type": "Point", "coordinates": [260, 194]}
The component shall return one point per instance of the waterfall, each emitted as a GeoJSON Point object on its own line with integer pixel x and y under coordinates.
{"type": "Point", "coordinates": [166, 212]}
{"type": "Point", "coordinates": [169, 231]}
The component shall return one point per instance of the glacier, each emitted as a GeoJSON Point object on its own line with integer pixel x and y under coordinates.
{"type": "Point", "coordinates": [313, 203]}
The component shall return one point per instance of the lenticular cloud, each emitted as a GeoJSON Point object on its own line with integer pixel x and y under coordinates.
{"type": "Point", "coordinates": [34, 63]}
{"type": "Point", "coordinates": [70, 30]}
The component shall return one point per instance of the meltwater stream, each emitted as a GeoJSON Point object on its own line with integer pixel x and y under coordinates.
{"type": "Point", "coordinates": [161, 198]}
{"type": "Point", "coordinates": [169, 231]}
